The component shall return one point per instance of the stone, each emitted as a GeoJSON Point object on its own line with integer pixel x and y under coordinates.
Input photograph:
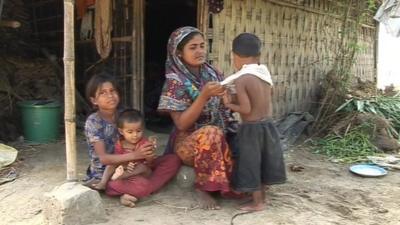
{"type": "Point", "coordinates": [73, 203]}
{"type": "Point", "coordinates": [185, 177]}
{"type": "Point", "coordinates": [383, 210]}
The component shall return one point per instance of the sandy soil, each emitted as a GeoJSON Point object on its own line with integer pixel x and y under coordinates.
{"type": "Point", "coordinates": [323, 193]}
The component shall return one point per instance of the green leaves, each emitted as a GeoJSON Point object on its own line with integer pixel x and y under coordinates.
{"type": "Point", "coordinates": [385, 106]}
{"type": "Point", "coordinates": [355, 146]}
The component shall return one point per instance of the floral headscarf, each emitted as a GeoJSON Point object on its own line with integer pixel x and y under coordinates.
{"type": "Point", "coordinates": [182, 87]}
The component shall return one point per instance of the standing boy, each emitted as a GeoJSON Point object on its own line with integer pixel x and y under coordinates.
{"type": "Point", "coordinates": [259, 160]}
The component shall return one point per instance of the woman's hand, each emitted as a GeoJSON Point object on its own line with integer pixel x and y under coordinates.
{"type": "Point", "coordinates": [186, 119]}
{"type": "Point", "coordinates": [212, 89]}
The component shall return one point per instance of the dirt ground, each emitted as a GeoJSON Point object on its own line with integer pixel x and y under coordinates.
{"type": "Point", "coordinates": [323, 193]}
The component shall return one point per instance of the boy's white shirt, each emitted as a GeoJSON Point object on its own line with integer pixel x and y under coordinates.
{"type": "Point", "coordinates": [259, 70]}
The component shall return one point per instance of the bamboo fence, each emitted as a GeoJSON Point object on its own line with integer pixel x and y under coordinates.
{"type": "Point", "coordinates": [300, 39]}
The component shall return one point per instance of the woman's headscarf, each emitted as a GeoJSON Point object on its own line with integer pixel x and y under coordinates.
{"type": "Point", "coordinates": [174, 65]}
{"type": "Point", "coordinates": [176, 72]}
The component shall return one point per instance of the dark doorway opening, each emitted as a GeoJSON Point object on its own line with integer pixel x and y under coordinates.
{"type": "Point", "coordinates": [161, 19]}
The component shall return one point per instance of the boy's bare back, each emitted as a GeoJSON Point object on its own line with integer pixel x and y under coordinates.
{"type": "Point", "coordinates": [254, 95]}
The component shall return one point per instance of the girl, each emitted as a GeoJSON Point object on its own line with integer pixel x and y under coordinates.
{"type": "Point", "coordinates": [130, 125]}
{"type": "Point", "coordinates": [101, 136]}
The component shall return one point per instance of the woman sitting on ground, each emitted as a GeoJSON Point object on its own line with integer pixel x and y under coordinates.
{"type": "Point", "coordinates": [191, 95]}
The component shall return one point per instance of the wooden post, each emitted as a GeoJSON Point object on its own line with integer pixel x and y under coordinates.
{"type": "Point", "coordinates": [69, 92]}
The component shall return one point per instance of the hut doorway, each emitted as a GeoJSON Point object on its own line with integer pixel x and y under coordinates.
{"type": "Point", "coordinates": [161, 18]}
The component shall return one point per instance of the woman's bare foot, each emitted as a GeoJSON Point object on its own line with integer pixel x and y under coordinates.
{"type": "Point", "coordinates": [128, 200]}
{"type": "Point", "coordinates": [206, 201]}
{"type": "Point", "coordinates": [253, 207]}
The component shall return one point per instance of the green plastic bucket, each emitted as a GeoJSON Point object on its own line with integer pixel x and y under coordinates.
{"type": "Point", "coordinates": [40, 120]}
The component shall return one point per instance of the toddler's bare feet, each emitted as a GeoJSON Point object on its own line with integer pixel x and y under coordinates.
{"type": "Point", "coordinates": [128, 200]}
{"type": "Point", "coordinates": [118, 172]}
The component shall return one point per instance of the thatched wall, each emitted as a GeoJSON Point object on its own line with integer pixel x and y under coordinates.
{"type": "Point", "coordinates": [301, 39]}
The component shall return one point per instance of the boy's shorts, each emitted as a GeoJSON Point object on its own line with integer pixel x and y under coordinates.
{"type": "Point", "coordinates": [259, 159]}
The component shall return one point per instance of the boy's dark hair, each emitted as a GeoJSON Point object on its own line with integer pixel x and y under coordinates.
{"type": "Point", "coordinates": [186, 39]}
{"type": "Point", "coordinates": [96, 81]}
{"type": "Point", "coordinates": [246, 45]}
{"type": "Point", "coordinates": [129, 116]}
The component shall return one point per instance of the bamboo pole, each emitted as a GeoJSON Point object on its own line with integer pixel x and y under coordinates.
{"type": "Point", "coordinates": [376, 49]}
{"type": "Point", "coordinates": [202, 16]}
{"type": "Point", "coordinates": [142, 63]}
{"type": "Point", "coordinates": [69, 86]}
{"type": "Point", "coordinates": [138, 55]}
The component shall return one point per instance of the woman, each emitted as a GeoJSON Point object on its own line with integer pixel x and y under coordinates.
{"type": "Point", "coordinates": [191, 95]}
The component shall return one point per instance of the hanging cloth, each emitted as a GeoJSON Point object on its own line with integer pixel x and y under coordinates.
{"type": "Point", "coordinates": [87, 26]}
{"type": "Point", "coordinates": [82, 6]}
{"type": "Point", "coordinates": [103, 27]}
{"type": "Point", "coordinates": [389, 14]}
